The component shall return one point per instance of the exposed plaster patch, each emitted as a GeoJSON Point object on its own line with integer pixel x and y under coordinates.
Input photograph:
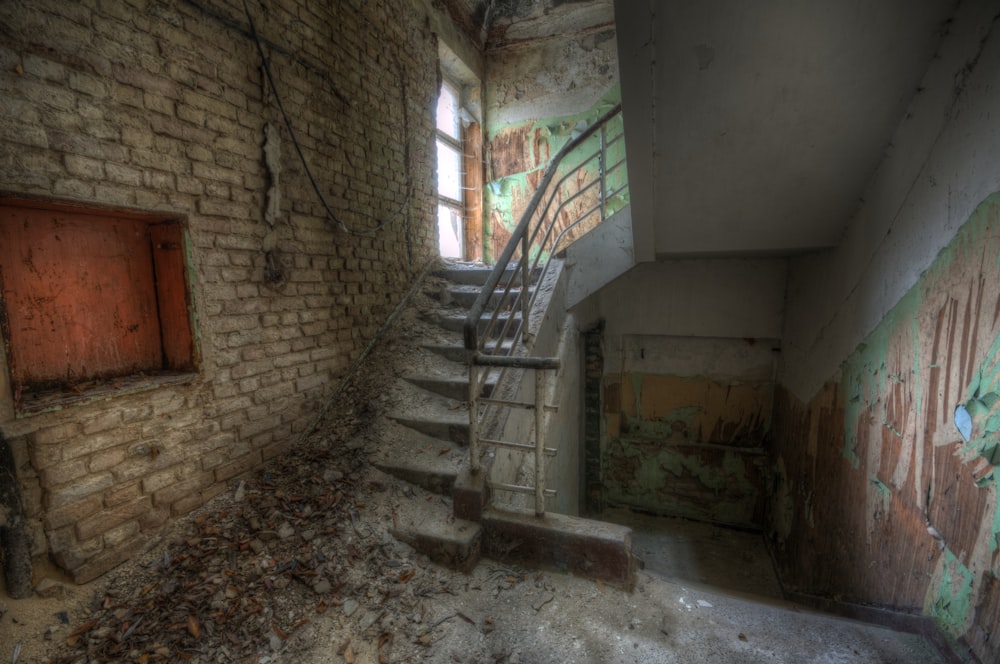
{"type": "Point", "coordinates": [272, 160]}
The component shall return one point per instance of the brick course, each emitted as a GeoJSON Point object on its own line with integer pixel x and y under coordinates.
{"type": "Point", "coordinates": [162, 108]}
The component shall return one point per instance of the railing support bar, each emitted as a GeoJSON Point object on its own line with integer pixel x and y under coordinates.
{"type": "Point", "coordinates": [474, 416]}
{"type": "Point", "coordinates": [539, 442]}
{"type": "Point", "coordinates": [525, 280]}
{"type": "Point", "coordinates": [602, 174]}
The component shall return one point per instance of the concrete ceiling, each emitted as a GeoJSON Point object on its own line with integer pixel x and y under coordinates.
{"type": "Point", "coordinates": [753, 127]}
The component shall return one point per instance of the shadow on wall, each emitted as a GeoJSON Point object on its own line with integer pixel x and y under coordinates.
{"type": "Point", "coordinates": [15, 546]}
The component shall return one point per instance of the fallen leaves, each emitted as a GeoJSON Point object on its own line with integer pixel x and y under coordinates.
{"type": "Point", "coordinates": [217, 592]}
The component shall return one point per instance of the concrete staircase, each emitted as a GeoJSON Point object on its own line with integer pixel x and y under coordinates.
{"type": "Point", "coordinates": [424, 442]}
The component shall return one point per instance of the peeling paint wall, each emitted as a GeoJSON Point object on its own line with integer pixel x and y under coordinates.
{"type": "Point", "coordinates": [687, 389]}
{"type": "Point", "coordinates": [538, 91]}
{"type": "Point", "coordinates": [876, 496]}
{"type": "Point", "coordinates": [689, 442]}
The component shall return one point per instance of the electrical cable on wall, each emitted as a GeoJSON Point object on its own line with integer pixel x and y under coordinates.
{"type": "Point", "coordinates": [305, 165]}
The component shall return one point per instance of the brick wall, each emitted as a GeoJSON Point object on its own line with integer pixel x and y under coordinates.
{"type": "Point", "coordinates": [162, 106]}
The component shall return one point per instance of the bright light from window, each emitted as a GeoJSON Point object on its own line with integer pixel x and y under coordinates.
{"type": "Point", "coordinates": [447, 112]}
{"type": "Point", "coordinates": [449, 173]}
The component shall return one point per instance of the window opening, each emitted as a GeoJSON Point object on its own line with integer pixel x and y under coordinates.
{"type": "Point", "coordinates": [90, 299]}
{"type": "Point", "coordinates": [451, 202]}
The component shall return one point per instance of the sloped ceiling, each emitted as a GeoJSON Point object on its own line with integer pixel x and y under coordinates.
{"type": "Point", "coordinates": [753, 127]}
{"type": "Point", "coordinates": [501, 23]}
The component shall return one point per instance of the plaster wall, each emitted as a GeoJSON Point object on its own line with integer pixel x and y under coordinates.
{"type": "Point", "coordinates": [550, 65]}
{"type": "Point", "coordinates": [942, 161]}
{"type": "Point", "coordinates": [745, 120]}
{"type": "Point", "coordinates": [878, 497]}
{"type": "Point", "coordinates": [723, 298]}
{"type": "Point", "coordinates": [539, 88]}
{"type": "Point", "coordinates": [599, 257]}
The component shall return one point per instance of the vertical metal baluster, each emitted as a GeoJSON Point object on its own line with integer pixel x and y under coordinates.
{"type": "Point", "coordinates": [525, 272]}
{"type": "Point", "coordinates": [473, 415]}
{"type": "Point", "coordinates": [601, 163]}
{"type": "Point", "coordinates": [539, 442]}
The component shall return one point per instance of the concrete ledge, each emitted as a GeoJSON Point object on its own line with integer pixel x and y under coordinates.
{"type": "Point", "coordinates": [587, 548]}
{"type": "Point", "coordinates": [470, 495]}
{"type": "Point", "coordinates": [452, 543]}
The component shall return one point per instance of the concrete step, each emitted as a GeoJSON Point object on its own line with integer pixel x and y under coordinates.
{"type": "Point", "coordinates": [450, 352]}
{"type": "Point", "coordinates": [476, 275]}
{"type": "Point", "coordinates": [429, 463]}
{"type": "Point", "coordinates": [452, 431]}
{"type": "Point", "coordinates": [453, 387]}
{"type": "Point", "coordinates": [456, 352]}
{"type": "Point", "coordinates": [583, 547]}
{"type": "Point", "coordinates": [429, 527]}
{"type": "Point", "coordinates": [465, 296]}
{"type": "Point", "coordinates": [455, 322]}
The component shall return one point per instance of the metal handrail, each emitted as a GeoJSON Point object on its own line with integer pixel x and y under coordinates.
{"type": "Point", "coordinates": [491, 348]}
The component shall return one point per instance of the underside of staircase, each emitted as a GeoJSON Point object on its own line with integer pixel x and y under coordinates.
{"type": "Point", "coordinates": [424, 442]}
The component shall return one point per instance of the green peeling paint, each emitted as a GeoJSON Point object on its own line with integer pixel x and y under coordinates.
{"type": "Point", "coordinates": [954, 595]}
{"type": "Point", "coordinates": [884, 491]}
{"type": "Point", "coordinates": [865, 371]}
{"type": "Point", "coordinates": [867, 378]}
{"type": "Point", "coordinates": [654, 470]}
{"type": "Point", "coordinates": [502, 193]}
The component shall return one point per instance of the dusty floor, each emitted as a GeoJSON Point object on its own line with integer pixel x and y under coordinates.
{"type": "Point", "coordinates": [296, 565]}
{"type": "Point", "coordinates": [419, 612]}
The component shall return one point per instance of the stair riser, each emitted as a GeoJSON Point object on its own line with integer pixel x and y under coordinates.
{"type": "Point", "coordinates": [466, 298]}
{"type": "Point", "coordinates": [454, 324]}
{"type": "Point", "coordinates": [477, 276]}
{"type": "Point", "coordinates": [459, 555]}
{"type": "Point", "coordinates": [450, 353]}
{"type": "Point", "coordinates": [435, 482]}
{"type": "Point", "coordinates": [459, 354]}
{"type": "Point", "coordinates": [457, 390]}
{"type": "Point", "coordinates": [549, 542]}
{"type": "Point", "coordinates": [456, 433]}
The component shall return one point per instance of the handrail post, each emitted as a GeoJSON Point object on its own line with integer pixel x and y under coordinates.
{"type": "Point", "coordinates": [539, 442]}
{"type": "Point", "coordinates": [601, 165]}
{"type": "Point", "coordinates": [530, 228]}
{"type": "Point", "coordinates": [525, 278]}
{"type": "Point", "coordinates": [473, 416]}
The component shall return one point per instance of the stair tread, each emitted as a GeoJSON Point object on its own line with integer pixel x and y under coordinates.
{"type": "Point", "coordinates": [433, 518]}
{"type": "Point", "coordinates": [427, 377]}
{"type": "Point", "coordinates": [430, 463]}
{"type": "Point", "coordinates": [458, 416]}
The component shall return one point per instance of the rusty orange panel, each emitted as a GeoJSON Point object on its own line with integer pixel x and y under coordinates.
{"type": "Point", "coordinates": [79, 295]}
{"type": "Point", "coordinates": [168, 263]}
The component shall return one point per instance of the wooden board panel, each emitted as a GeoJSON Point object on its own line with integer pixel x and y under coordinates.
{"type": "Point", "coordinates": [171, 288]}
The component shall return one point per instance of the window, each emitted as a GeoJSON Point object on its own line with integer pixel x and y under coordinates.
{"type": "Point", "coordinates": [449, 174]}
{"type": "Point", "coordinates": [90, 297]}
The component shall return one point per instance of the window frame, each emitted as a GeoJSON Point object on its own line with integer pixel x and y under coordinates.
{"type": "Point", "coordinates": [456, 206]}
